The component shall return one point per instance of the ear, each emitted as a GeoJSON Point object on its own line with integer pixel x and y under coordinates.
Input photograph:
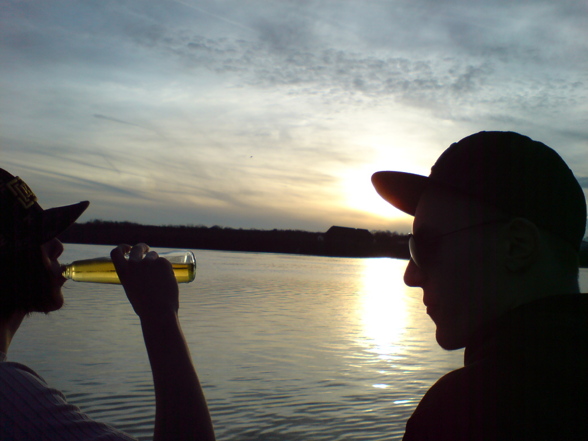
{"type": "Point", "coordinates": [523, 243]}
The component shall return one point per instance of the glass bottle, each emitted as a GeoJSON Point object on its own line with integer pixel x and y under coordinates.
{"type": "Point", "coordinates": [101, 269]}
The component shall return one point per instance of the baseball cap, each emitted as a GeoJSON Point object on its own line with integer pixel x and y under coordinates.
{"type": "Point", "coordinates": [23, 223]}
{"type": "Point", "coordinates": [520, 176]}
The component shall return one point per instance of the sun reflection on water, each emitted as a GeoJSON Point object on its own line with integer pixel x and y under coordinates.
{"type": "Point", "coordinates": [384, 310]}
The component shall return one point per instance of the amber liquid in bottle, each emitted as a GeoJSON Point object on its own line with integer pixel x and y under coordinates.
{"type": "Point", "coordinates": [101, 269]}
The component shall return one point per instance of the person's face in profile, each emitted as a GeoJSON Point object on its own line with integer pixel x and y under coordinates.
{"type": "Point", "coordinates": [455, 247]}
{"type": "Point", "coordinates": [50, 253]}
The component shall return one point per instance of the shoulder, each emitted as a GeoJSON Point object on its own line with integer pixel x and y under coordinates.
{"type": "Point", "coordinates": [453, 408]}
{"type": "Point", "coordinates": [16, 376]}
{"type": "Point", "coordinates": [30, 409]}
{"type": "Point", "coordinates": [461, 386]}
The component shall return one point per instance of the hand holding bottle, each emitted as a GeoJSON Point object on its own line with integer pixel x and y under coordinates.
{"type": "Point", "coordinates": [148, 281]}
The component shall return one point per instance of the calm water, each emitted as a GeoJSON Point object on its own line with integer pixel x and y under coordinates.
{"type": "Point", "coordinates": [287, 347]}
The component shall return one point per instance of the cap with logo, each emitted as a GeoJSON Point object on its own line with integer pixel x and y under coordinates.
{"type": "Point", "coordinates": [23, 223]}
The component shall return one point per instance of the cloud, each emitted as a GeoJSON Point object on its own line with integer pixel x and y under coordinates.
{"type": "Point", "coordinates": [108, 118]}
{"type": "Point", "coordinates": [332, 72]}
{"type": "Point", "coordinates": [291, 54]}
{"type": "Point", "coordinates": [119, 121]}
{"type": "Point", "coordinates": [291, 46]}
{"type": "Point", "coordinates": [217, 16]}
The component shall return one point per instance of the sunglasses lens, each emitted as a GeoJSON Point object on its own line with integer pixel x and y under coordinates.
{"type": "Point", "coordinates": [413, 250]}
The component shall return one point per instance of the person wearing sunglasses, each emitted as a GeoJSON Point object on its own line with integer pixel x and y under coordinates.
{"type": "Point", "coordinates": [31, 281]}
{"type": "Point", "coordinates": [497, 228]}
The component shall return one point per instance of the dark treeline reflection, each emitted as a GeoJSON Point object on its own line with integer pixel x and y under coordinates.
{"type": "Point", "coordinates": [337, 241]}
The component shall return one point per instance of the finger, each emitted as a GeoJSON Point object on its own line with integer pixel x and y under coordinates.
{"type": "Point", "coordinates": [151, 255]}
{"type": "Point", "coordinates": [138, 251]}
{"type": "Point", "coordinates": [165, 265]}
{"type": "Point", "coordinates": [118, 254]}
{"type": "Point", "coordinates": [118, 258]}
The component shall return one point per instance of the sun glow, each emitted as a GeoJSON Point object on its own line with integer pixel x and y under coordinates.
{"type": "Point", "coordinates": [356, 182]}
{"type": "Point", "coordinates": [361, 195]}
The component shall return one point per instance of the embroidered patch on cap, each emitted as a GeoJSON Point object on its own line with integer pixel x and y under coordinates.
{"type": "Point", "coordinates": [22, 192]}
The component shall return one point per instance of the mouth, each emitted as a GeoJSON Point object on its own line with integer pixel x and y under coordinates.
{"type": "Point", "coordinates": [57, 273]}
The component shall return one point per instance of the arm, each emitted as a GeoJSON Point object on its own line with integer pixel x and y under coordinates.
{"type": "Point", "coordinates": [181, 412]}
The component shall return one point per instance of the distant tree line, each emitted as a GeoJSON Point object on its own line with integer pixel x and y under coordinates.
{"type": "Point", "coordinates": [337, 241]}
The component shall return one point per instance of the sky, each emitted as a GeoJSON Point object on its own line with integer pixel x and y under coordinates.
{"type": "Point", "coordinates": [274, 114]}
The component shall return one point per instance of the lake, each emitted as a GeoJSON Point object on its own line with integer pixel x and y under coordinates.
{"type": "Point", "coordinates": [287, 347]}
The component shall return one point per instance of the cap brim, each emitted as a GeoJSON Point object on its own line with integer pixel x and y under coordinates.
{"type": "Point", "coordinates": [403, 190]}
{"type": "Point", "coordinates": [56, 220]}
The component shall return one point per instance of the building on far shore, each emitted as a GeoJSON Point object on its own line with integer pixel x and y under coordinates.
{"type": "Point", "coordinates": [345, 241]}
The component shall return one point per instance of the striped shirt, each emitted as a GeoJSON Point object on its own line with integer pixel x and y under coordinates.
{"type": "Point", "coordinates": [31, 410]}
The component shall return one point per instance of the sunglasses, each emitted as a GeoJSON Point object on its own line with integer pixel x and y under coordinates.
{"type": "Point", "coordinates": [422, 247]}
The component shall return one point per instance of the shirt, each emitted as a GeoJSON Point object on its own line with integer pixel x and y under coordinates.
{"type": "Point", "coordinates": [31, 410]}
{"type": "Point", "coordinates": [525, 377]}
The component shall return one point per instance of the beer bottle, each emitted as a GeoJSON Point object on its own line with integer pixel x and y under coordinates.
{"type": "Point", "coordinates": [101, 269]}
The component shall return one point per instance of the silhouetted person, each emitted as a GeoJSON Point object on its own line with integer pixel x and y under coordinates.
{"type": "Point", "coordinates": [497, 229]}
{"type": "Point", "coordinates": [31, 281]}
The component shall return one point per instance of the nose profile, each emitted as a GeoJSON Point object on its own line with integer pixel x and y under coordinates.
{"type": "Point", "coordinates": [413, 275]}
{"type": "Point", "coordinates": [53, 248]}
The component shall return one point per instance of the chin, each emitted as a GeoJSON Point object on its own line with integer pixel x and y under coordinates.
{"type": "Point", "coordinates": [56, 299]}
{"type": "Point", "coordinates": [52, 300]}
{"type": "Point", "coordinates": [57, 303]}
{"type": "Point", "coordinates": [51, 304]}
{"type": "Point", "coordinates": [448, 341]}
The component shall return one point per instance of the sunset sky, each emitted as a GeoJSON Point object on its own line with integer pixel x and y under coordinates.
{"type": "Point", "coordinates": [274, 114]}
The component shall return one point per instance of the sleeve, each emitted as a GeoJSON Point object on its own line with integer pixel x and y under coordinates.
{"type": "Point", "coordinates": [31, 410]}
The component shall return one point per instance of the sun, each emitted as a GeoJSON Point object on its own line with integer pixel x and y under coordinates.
{"type": "Point", "coordinates": [356, 183]}
{"type": "Point", "coordinates": [360, 194]}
